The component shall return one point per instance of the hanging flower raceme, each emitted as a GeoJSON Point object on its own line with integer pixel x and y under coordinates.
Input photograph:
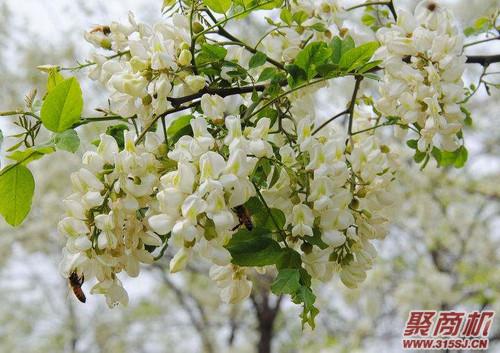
{"type": "Point", "coordinates": [150, 64]}
{"type": "Point", "coordinates": [423, 66]}
{"type": "Point", "coordinates": [105, 221]}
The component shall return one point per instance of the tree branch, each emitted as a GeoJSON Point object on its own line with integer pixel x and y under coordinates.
{"type": "Point", "coordinates": [484, 60]}
{"type": "Point", "coordinates": [330, 120]}
{"type": "Point", "coordinates": [353, 103]}
{"type": "Point", "coordinates": [223, 92]}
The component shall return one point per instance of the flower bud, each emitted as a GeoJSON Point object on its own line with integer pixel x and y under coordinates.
{"type": "Point", "coordinates": [184, 57]}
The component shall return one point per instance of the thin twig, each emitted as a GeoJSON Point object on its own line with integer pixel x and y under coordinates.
{"type": "Point", "coordinates": [281, 232]}
{"type": "Point", "coordinates": [329, 121]}
{"type": "Point", "coordinates": [170, 111]}
{"type": "Point", "coordinates": [481, 41]}
{"type": "Point", "coordinates": [353, 103]}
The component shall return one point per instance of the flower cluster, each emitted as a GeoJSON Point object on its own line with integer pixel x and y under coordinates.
{"type": "Point", "coordinates": [335, 195]}
{"type": "Point", "coordinates": [104, 222]}
{"type": "Point", "coordinates": [423, 65]}
{"type": "Point", "coordinates": [326, 194]}
{"type": "Point", "coordinates": [196, 201]}
{"type": "Point", "coordinates": [150, 64]}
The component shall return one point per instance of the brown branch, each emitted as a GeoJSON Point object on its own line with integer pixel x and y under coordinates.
{"type": "Point", "coordinates": [229, 36]}
{"type": "Point", "coordinates": [484, 60]}
{"type": "Point", "coordinates": [352, 104]}
{"type": "Point", "coordinates": [223, 92]}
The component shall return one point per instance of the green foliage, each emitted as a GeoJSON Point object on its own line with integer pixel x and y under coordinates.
{"type": "Point", "coordinates": [16, 187]}
{"type": "Point", "coordinates": [179, 127]}
{"type": "Point", "coordinates": [67, 140]}
{"type": "Point", "coordinates": [331, 60]}
{"type": "Point", "coordinates": [447, 159]}
{"type": "Point", "coordinates": [219, 6]}
{"type": "Point", "coordinates": [213, 52]}
{"type": "Point", "coordinates": [62, 106]}
{"type": "Point", "coordinates": [313, 55]}
{"type": "Point", "coordinates": [267, 74]}
{"type": "Point", "coordinates": [31, 154]}
{"type": "Point", "coordinates": [262, 218]}
{"type": "Point", "coordinates": [254, 248]}
{"type": "Point", "coordinates": [468, 117]}
{"type": "Point", "coordinates": [258, 59]}
{"type": "Point", "coordinates": [457, 158]}
{"type": "Point", "coordinates": [287, 281]}
{"type": "Point", "coordinates": [117, 132]}
{"type": "Point", "coordinates": [305, 296]}
{"type": "Point", "coordinates": [357, 57]}
{"type": "Point", "coordinates": [54, 79]}
{"type": "Point", "coordinates": [340, 47]}
{"type": "Point", "coordinates": [286, 16]}
{"type": "Point", "coordinates": [481, 25]}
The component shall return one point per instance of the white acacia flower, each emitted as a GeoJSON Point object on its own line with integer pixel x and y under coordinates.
{"type": "Point", "coordinates": [235, 287]}
{"type": "Point", "coordinates": [162, 223]}
{"type": "Point", "coordinates": [113, 290]}
{"type": "Point", "coordinates": [211, 165]}
{"type": "Point", "coordinates": [302, 220]}
{"type": "Point", "coordinates": [213, 106]}
{"type": "Point", "coordinates": [180, 260]}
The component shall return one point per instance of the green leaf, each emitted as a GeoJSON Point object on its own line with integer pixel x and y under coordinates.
{"type": "Point", "coordinates": [179, 127]}
{"type": "Point", "coordinates": [305, 296]}
{"type": "Point", "coordinates": [289, 259]}
{"type": "Point", "coordinates": [67, 140]}
{"type": "Point", "coordinates": [419, 156]}
{"type": "Point", "coordinates": [62, 106]}
{"type": "Point", "coordinates": [258, 59]}
{"type": "Point", "coordinates": [357, 57]}
{"type": "Point", "coordinates": [313, 55]}
{"type": "Point", "coordinates": [1, 139]}
{"type": "Point", "coordinates": [269, 5]}
{"type": "Point", "coordinates": [16, 187]}
{"type": "Point", "coordinates": [461, 156]}
{"type": "Point", "coordinates": [436, 153]}
{"type": "Point", "coordinates": [319, 27]}
{"type": "Point", "coordinates": [31, 154]}
{"type": "Point", "coordinates": [300, 16]}
{"type": "Point", "coordinates": [261, 217]}
{"type": "Point", "coordinates": [54, 79]}
{"type": "Point", "coordinates": [368, 66]}
{"type": "Point", "coordinates": [254, 248]}
{"type": "Point", "coordinates": [219, 6]}
{"type": "Point", "coordinates": [412, 144]}
{"type": "Point", "coordinates": [286, 16]}
{"type": "Point", "coordinates": [368, 20]}
{"type": "Point", "coordinates": [267, 74]}
{"type": "Point", "coordinates": [287, 281]}
{"type": "Point", "coordinates": [468, 117]}
{"type": "Point", "coordinates": [214, 52]}
{"type": "Point", "coordinates": [117, 132]}
{"type": "Point", "coordinates": [316, 239]}
{"type": "Point", "coordinates": [340, 47]}
{"type": "Point", "coordinates": [297, 75]}
{"type": "Point", "coordinates": [264, 219]}
{"type": "Point", "coordinates": [457, 158]}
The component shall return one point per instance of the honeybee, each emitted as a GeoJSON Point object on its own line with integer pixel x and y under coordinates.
{"type": "Point", "coordinates": [76, 284]}
{"type": "Point", "coordinates": [104, 29]}
{"type": "Point", "coordinates": [243, 217]}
